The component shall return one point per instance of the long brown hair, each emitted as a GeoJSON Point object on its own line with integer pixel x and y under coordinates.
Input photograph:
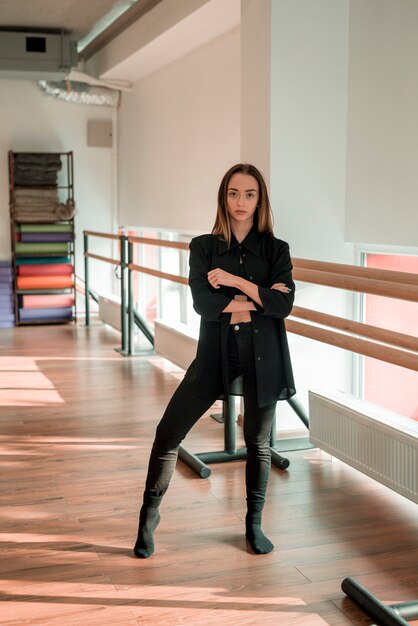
{"type": "Point", "coordinates": [263, 217]}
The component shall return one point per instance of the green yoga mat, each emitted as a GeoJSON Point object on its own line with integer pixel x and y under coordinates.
{"type": "Point", "coordinates": [46, 228]}
{"type": "Point", "coordinates": [41, 248]}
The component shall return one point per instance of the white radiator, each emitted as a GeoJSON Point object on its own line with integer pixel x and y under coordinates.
{"type": "Point", "coordinates": [175, 342]}
{"type": "Point", "coordinates": [109, 311]}
{"type": "Point", "coordinates": [379, 443]}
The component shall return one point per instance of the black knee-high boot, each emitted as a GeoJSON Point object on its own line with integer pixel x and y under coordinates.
{"type": "Point", "coordinates": [149, 518]}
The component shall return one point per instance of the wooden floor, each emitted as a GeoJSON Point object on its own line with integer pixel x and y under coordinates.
{"type": "Point", "coordinates": [76, 425]}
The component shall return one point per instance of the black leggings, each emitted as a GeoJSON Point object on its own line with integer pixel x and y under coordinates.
{"type": "Point", "coordinates": [185, 408]}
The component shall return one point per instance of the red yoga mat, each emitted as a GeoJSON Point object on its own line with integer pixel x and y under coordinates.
{"type": "Point", "coordinates": [43, 269]}
{"type": "Point", "coordinates": [44, 282]}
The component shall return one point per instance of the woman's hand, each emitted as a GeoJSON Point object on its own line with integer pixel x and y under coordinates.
{"type": "Point", "coordinates": [281, 287]}
{"type": "Point", "coordinates": [219, 277]}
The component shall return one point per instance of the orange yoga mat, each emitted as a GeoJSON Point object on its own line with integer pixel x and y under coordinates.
{"type": "Point", "coordinates": [48, 301]}
{"type": "Point", "coordinates": [44, 282]}
{"type": "Point", "coordinates": [43, 269]}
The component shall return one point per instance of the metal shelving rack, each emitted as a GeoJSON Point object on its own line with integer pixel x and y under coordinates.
{"type": "Point", "coordinates": [66, 190]}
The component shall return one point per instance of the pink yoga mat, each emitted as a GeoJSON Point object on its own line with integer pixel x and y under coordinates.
{"type": "Point", "coordinates": [48, 301]}
{"type": "Point", "coordinates": [44, 282]}
{"type": "Point", "coordinates": [50, 269]}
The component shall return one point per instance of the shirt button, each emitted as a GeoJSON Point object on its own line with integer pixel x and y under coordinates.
{"type": "Point", "coordinates": [239, 247]}
{"type": "Point", "coordinates": [259, 358]}
{"type": "Point", "coordinates": [251, 277]}
{"type": "Point", "coordinates": [256, 330]}
{"type": "Point", "coordinates": [236, 327]}
{"type": "Point", "coordinates": [243, 254]}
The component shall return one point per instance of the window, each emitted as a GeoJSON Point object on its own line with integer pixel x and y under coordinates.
{"type": "Point", "coordinates": [391, 386]}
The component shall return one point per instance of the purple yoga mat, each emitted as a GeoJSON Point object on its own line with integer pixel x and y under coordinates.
{"type": "Point", "coordinates": [45, 314]}
{"type": "Point", "coordinates": [6, 271]}
{"type": "Point", "coordinates": [45, 237]}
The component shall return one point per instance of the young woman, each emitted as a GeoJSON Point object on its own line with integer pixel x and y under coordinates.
{"type": "Point", "coordinates": [241, 283]}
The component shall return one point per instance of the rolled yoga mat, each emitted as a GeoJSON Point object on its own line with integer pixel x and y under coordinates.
{"type": "Point", "coordinates": [6, 307]}
{"type": "Point", "coordinates": [47, 269]}
{"type": "Point", "coordinates": [6, 289]}
{"type": "Point", "coordinates": [39, 216]}
{"type": "Point", "coordinates": [6, 300]}
{"type": "Point", "coordinates": [39, 248]}
{"type": "Point", "coordinates": [46, 237]}
{"type": "Point", "coordinates": [42, 259]}
{"type": "Point", "coordinates": [6, 317]}
{"type": "Point", "coordinates": [44, 282]}
{"type": "Point", "coordinates": [47, 301]}
{"type": "Point", "coordinates": [46, 228]}
{"type": "Point", "coordinates": [45, 314]}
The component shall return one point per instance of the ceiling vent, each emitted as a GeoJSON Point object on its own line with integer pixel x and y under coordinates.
{"type": "Point", "coordinates": [36, 55]}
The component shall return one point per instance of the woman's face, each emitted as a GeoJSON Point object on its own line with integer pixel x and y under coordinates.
{"type": "Point", "coordinates": [242, 197]}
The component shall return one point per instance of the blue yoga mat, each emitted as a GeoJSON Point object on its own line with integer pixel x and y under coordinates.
{"type": "Point", "coordinates": [5, 288]}
{"type": "Point", "coordinates": [6, 317]}
{"type": "Point", "coordinates": [45, 314]}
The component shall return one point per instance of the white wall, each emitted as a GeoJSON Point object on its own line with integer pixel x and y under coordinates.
{"type": "Point", "coordinates": [31, 121]}
{"type": "Point", "coordinates": [179, 131]}
{"type": "Point", "coordinates": [309, 55]}
{"type": "Point", "coordinates": [382, 162]}
{"type": "Point", "coordinates": [256, 84]}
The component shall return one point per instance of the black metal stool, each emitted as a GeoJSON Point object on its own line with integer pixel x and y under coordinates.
{"type": "Point", "coordinates": [198, 462]}
{"type": "Point", "coordinates": [382, 614]}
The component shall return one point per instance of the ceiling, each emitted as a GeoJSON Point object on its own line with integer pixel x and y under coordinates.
{"type": "Point", "coordinates": [77, 16]}
{"type": "Point", "coordinates": [95, 23]}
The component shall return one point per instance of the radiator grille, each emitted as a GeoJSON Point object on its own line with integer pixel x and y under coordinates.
{"type": "Point", "coordinates": [378, 443]}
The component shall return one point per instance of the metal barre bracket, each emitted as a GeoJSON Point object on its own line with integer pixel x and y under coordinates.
{"type": "Point", "coordinates": [383, 614]}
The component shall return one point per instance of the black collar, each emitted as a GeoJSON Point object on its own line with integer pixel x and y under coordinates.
{"type": "Point", "coordinates": [251, 243]}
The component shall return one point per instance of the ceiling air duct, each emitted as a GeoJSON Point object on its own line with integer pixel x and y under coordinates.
{"type": "Point", "coordinates": [36, 55]}
{"type": "Point", "coordinates": [80, 93]}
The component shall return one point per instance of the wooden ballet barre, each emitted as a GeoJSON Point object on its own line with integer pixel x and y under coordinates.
{"type": "Point", "coordinates": [92, 233]}
{"type": "Point", "coordinates": [390, 337]}
{"type": "Point", "coordinates": [392, 276]}
{"type": "Point", "coordinates": [102, 258]}
{"type": "Point", "coordinates": [360, 346]}
{"type": "Point", "coordinates": [158, 274]}
{"type": "Point", "coordinates": [164, 243]}
{"type": "Point", "coordinates": [355, 283]}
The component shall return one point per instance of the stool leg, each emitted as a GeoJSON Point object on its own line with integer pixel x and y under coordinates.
{"type": "Point", "coordinates": [277, 459]}
{"type": "Point", "coordinates": [228, 410]}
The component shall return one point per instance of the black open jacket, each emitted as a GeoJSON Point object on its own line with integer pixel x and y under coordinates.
{"type": "Point", "coordinates": [266, 261]}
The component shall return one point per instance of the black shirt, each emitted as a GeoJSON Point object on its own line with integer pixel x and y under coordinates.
{"type": "Point", "coordinates": [265, 261]}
